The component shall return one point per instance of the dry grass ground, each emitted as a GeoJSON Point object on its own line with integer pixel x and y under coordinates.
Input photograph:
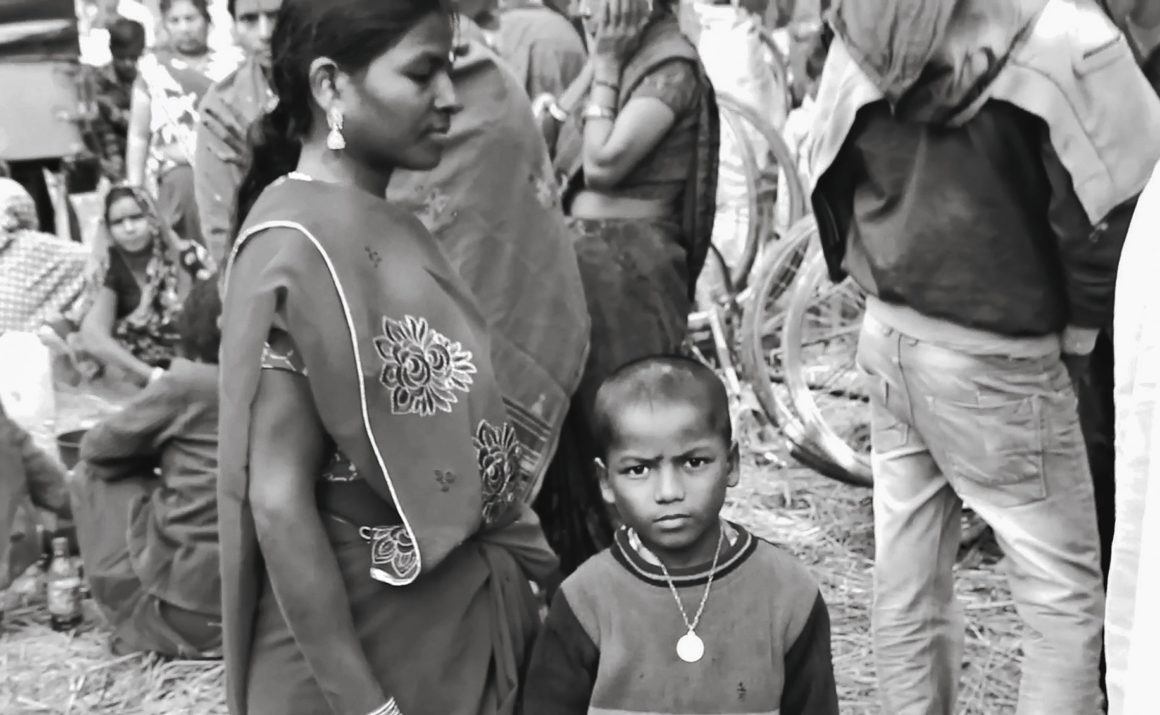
{"type": "Point", "coordinates": [826, 524]}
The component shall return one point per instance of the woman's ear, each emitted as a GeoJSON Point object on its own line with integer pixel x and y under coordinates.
{"type": "Point", "coordinates": [326, 83]}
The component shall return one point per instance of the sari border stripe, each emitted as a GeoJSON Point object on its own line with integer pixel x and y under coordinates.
{"type": "Point", "coordinates": [365, 410]}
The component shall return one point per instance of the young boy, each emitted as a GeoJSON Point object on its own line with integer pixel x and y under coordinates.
{"type": "Point", "coordinates": [685, 612]}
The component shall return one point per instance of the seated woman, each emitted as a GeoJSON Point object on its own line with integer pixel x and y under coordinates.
{"type": "Point", "coordinates": [145, 504]}
{"type": "Point", "coordinates": [637, 154]}
{"type": "Point", "coordinates": [41, 275]}
{"type": "Point", "coordinates": [142, 271]}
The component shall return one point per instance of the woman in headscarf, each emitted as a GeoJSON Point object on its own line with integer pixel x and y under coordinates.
{"type": "Point", "coordinates": [375, 548]}
{"type": "Point", "coordinates": [636, 152]}
{"type": "Point", "coordinates": [41, 276]}
{"type": "Point", "coordinates": [164, 114]}
{"type": "Point", "coordinates": [139, 276]}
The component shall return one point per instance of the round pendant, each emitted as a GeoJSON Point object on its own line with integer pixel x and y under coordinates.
{"type": "Point", "coordinates": [690, 648]}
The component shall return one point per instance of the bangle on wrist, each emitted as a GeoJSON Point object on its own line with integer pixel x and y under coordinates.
{"type": "Point", "coordinates": [557, 112]}
{"type": "Point", "coordinates": [607, 84]}
{"type": "Point", "coordinates": [595, 111]}
{"type": "Point", "coordinates": [388, 708]}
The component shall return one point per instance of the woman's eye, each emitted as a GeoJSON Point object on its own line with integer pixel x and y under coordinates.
{"type": "Point", "coordinates": [638, 470]}
{"type": "Point", "coordinates": [697, 462]}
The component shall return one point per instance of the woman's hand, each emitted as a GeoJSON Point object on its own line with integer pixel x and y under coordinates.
{"type": "Point", "coordinates": [618, 30]}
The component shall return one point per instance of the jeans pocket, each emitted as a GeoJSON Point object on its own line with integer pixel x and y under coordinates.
{"type": "Point", "coordinates": [887, 432]}
{"type": "Point", "coordinates": [994, 450]}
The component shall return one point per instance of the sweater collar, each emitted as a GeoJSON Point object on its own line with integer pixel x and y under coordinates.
{"type": "Point", "coordinates": [642, 563]}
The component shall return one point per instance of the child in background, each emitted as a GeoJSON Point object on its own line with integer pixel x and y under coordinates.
{"type": "Point", "coordinates": [685, 612]}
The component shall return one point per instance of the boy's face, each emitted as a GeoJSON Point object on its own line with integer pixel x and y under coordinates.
{"type": "Point", "coordinates": [667, 471]}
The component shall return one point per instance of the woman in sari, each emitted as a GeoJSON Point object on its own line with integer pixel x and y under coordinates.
{"type": "Point", "coordinates": [140, 275]}
{"type": "Point", "coordinates": [376, 554]}
{"type": "Point", "coordinates": [164, 117]}
{"type": "Point", "coordinates": [636, 152]}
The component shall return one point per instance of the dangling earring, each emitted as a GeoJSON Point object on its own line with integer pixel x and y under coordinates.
{"type": "Point", "coordinates": [335, 141]}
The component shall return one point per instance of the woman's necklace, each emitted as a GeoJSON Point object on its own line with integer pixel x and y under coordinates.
{"type": "Point", "coordinates": [690, 647]}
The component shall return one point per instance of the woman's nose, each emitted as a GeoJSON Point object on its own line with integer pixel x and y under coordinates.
{"type": "Point", "coordinates": [446, 99]}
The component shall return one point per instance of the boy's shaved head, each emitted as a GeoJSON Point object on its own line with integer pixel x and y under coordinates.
{"type": "Point", "coordinates": [661, 379]}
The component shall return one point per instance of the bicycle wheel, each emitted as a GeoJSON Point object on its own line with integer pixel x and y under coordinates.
{"type": "Point", "coordinates": [713, 285]}
{"type": "Point", "coordinates": [761, 324]}
{"type": "Point", "coordinates": [766, 183]}
{"type": "Point", "coordinates": [827, 393]}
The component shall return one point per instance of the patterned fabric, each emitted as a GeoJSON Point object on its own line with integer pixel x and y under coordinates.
{"type": "Point", "coordinates": [176, 85]}
{"type": "Point", "coordinates": [148, 331]}
{"type": "Point", "coordinates": [422, 368]}
{"type": "Point", "coordinates": [498, 453]}
{"type": "Point", "coordinates": [393, 552]}
{"type": "Point", "coordinates": [41, 276]}
{"type": "Point", "coordinates": [111, 126]}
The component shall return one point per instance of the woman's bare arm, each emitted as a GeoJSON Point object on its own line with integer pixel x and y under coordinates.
{"type": "Point", "coordinates": [287, 448]}
{"type": "Point", "coordinates": [97, 337]}
{"type": "Point", "coordinates": [614, 146]}
{"type": "Point", "coordinates": [140, 134]}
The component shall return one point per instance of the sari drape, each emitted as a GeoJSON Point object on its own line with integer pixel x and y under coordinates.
{"type": "Point", "coordinates": [493, 206]}
{"type": "Point", "coordinates": [398, 361]}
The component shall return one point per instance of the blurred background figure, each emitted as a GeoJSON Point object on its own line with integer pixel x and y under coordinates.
{"type": "Point", "coordinates": [163, 122]}
{"type": "Point", "coordinates": [95, 19]}
{"type": "Point", "coordinates": [140, 273]}
{"type": "Point", "coordinates": [540, 45]}
{"type": "Point", "coordinates": [226, 113]}
{"type": "Point", "coordinates": [113, 89]}
{"type": "Point", "coordinates": [41, 276]}
{"type": "Point", "coordinates": [145, 504]}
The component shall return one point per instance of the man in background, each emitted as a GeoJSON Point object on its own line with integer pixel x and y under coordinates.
{"type": "Point", "coordinates": [227, 111]}
{"type": "Point", "coordinates": [113, 86]}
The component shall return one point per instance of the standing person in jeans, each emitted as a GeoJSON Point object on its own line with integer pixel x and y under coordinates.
{"type": "Point", "coordinates": [974, 170]}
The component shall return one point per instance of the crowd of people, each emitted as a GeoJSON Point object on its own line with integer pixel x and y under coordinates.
{"type": "Point", "coordinates": [404, 288]}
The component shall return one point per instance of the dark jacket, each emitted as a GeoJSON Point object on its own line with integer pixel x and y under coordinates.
{"type": "Point", "coordinates": [956, 204]}
{"type": "Point", "coordinates": [171, 426]}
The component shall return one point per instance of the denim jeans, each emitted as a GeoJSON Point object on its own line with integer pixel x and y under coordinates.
{"type": "Point", "coordinates": [956, 424]}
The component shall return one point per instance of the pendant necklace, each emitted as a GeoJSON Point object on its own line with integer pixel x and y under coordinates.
{"type": "Point", "coordinates": [690, 647]}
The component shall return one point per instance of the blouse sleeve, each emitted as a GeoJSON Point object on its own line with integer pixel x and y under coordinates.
{"type": "Point", "coordinates": [675, 83]}
{"type": "Point", "coordinates": [280, 353]}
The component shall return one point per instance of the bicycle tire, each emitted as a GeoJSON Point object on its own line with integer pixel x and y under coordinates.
{"type": "Point", "coordinates": [784, 156]}
{"type": "Point", "coordinates": [852, 466]}
{"type": "Point", "coordinates": [753, 229]}
{"type": "Point", "coordinates": [774, 279]}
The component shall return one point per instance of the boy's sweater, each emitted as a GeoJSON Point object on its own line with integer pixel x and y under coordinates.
{"type": "Point", "coordinates": [608, 646]}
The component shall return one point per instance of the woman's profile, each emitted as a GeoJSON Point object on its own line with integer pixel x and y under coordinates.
{"type": "Point", "coordinates": [376, 554]}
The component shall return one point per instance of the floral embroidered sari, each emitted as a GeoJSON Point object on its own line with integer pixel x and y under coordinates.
{"type": "Point", "coordinates": [433, 541]}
